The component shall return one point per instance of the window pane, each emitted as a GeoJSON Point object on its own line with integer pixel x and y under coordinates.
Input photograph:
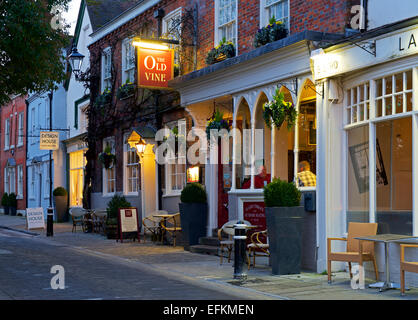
{"type": "Point", "coordinates": [394, 176]}
{"type": "Point", "coordinates": [358, 175]}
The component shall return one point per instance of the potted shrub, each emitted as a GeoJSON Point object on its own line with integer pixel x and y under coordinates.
{"type": "Point", "coordinates": [284, 217]}
{"type": "Point", "coordinates": [5, 203]}
{"type": "Point", "coordinates": [193, 213]}
{"type": "Point", "coordinates": [224, 50]}
{"type": "Point", "coordinates": [112, 215]}
{"type": "Point", "coordinates": [125, 91]}
{"type": "Point", "coordinates": [12, 203]}
{"type": "Point", "coordinates": [274, 31]}
{"type": "Point", "coordinates": [107, 158]}
{"type": "Point", "coordinates": [61, 204]}
{"type": "Point", "coordinates": [278, 111]}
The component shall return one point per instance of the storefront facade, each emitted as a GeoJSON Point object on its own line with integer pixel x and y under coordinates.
{"type": "Point", "coordinates": [368, 130]}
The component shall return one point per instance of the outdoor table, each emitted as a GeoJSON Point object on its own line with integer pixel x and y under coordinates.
{"type": "Point", "coordinates": [385, 238]}
{"type": "Point", "coordinates": [164, 219]}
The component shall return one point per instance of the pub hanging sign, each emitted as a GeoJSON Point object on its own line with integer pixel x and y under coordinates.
{"type": "Point", "coordinates": [155, 68]}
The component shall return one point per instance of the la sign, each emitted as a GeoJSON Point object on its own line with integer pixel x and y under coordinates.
{"type": "Point", "coordinates": [156, 68]}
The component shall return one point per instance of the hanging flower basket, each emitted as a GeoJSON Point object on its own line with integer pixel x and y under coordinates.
{"type": "Point", "coordinates": [125, 91]}
{"type": "Point", "coordinates": [278, 111]}
{"type": "Point", "coordinates": [274, 31]}
{"type": "Point", "coordinates": [216, 122]}
{"type": "Point", "coordinates": [107, 158]}
{"type": "Point", "coordinates": [224, 50]}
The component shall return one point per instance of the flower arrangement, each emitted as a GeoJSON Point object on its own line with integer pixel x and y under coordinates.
{"type": "Point", "coordinates": [216, 122]}
{"type": "Point", "coordinates": [278, 111]}
{"type": "Point", "coordinates": [107, 158]}
{"type": "Point", "coordinates": [126, 90]}
{"type": "Point", "coordinates": [104, 98]}
{"type": "Point", "coordinates": [274, 31]}
{"type": "Point", "coordinates": [224, 50]}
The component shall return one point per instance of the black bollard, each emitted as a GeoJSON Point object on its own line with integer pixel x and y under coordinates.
{"type": "Point", "coordinates": [240, 250]}
{"type": "Point", "coordinates": [50, 222]}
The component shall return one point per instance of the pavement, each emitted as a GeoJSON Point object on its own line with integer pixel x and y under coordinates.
{"type": "Point", "coordinates": [205, 270]}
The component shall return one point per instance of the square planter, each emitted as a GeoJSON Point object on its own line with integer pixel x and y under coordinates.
{"type": "Point", "coordinates": [284, 227]}
{"type": "Point", "coordinates": [193, 219]}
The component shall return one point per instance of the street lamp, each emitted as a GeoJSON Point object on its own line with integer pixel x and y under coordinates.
{"type": "Point", "coordinates": [76, 61]}
{"type": "Point", "coordinates": [140, 147]}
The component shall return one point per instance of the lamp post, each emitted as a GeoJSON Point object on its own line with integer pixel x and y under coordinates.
{"type": "Point", "coordinates": [76, 61]}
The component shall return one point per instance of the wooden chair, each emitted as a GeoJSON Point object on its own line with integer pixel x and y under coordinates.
{"type": "Point", "coordinates": [258, 247]}
{"type": "Point", "coordinates": [77, 215]}
{"type": "Point", "coordinates": [227, 242]}
{"type": "Point", "coordinates": [152, 224]}
{"type": "Point", "coordinates": [407, 265]}
{"type": "Point", "coordinates": [357, 251]}
{"type": "Point", "coordinates": [172, 225]}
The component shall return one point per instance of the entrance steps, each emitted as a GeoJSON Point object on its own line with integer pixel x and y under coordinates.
{"type": "Point", "coordinates": [208, 245]}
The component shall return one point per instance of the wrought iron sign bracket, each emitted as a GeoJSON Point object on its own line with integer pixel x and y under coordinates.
{"type": "Point", "coordinates": [368, 46]}
{"type": "Point", "coordinates": [293, 83]}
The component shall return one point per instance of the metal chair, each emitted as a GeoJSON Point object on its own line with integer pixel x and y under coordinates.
{"type": "Point", "coordinates": [172, 225]}
{"type": "Point", "coordinates": [227, 242]}
{"type": "Point", "coordinates": [99, 220]}
{"type": "Point", "coordinates": [258, 246]}
{"type": "Point", "coordinates": [77, 215]}
{"type": "Point", "coordinates": [152, 224]}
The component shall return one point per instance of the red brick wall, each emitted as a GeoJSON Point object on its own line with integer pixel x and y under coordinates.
{"type": "Point", "coordinates": [11, 111]}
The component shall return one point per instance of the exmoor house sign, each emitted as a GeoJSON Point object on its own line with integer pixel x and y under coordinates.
{"type": "Point", "coordinates": [49, 140]}
{"type": "Point", "coordinates": [156, 68]}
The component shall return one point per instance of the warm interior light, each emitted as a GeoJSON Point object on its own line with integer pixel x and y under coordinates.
{"type": "Point", "coordinates": [193, 174]}
{"type": "Point", "coordinates": [149, 45]}
{"type": "Point", "coordinates": [140, 147]}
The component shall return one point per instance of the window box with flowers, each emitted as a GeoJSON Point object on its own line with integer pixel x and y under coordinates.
{"type": "Point", "coordinates": [125, 91]}
{"type": "Point", "coordinates": [274, 31]}
{"type": "Point", "coordinates": [104, 99]}
{"type": "Point", "coordinates": [216, 122]}
{"type": "Point", "coordinates": [107, 158]}
{"type": "Point", "coordinates": [224, 50]}
{"type": "Point", "coordinates": [278, 111]}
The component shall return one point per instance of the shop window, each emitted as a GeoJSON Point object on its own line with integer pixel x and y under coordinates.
{"type": "Point", "coordinates": [132, 170]}
{"type": "Point", "coordinates": [128, 61]}
{"type": "Point", "coordinates": [394, 176]}
{"type": "Point", "coordinates": [106, 69]}
{"type": "Point", "coordinates": [172, 30]}
{"type": "Point", "coordinates": [358, 104]}
{"type": "Point", "coordinates": [358, 174]}
{"type": "Point", "coordinates": [77, 164]}
{"type": "Point", "coordinates": [109, 175]}
{"type": "Point", "coordinates": [175, 169]}
{"type": "Point", "coordinates": [394, 94]}
{"type": "Point", "coordinates": [226, 22]}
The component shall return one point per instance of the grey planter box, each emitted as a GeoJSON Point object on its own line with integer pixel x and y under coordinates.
{"type": "Point", "coordinates": [284, 227]}
{"type": "Point", "coordinates": [193, 219]}
{"type": "Point", "coordinates": [61, 208]}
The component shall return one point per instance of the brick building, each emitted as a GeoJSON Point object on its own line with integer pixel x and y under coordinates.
{"type": "Point", "coordinates": [13, 150]}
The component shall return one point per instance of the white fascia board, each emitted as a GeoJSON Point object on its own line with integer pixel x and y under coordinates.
{"type": "Point", "coordinates": [120, 20]}
{"type": "Point", "coordinates": [266, 69]}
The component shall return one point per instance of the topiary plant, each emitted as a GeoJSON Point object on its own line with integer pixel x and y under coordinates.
{"type": "Point", "coordinates": [5, 200]}
{"type": "Point", "coordinates": [193, 193]}
{"type": "Point", "coordinates": [59, 191]}
{"type": "Point", "coordinates": [281, 193]}
{"type": "Point", "coordinates": [12, 200]}
{"type": "Point", "coordinates": [114, 204]}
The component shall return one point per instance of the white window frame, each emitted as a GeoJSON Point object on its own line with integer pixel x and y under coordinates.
{"type": "Point", "coordinates": [218, 27]}
{"type": "Point", "coordinates": [264, 13]}
{"type": "Point", "coordinates": [82, 117]}
{"type": "Point", "coordinates": [178, 161]}
{"type": "Point", "coordinates": [106, 178]}
{"type": "Point", "coordinates": [175, 14]}
{"type": "Point", "coordinates": [106, 69]}
{"type": "Point", "coordinates": [7, 134]}
{"type": "Point", "coordinates": [128, 71]}
{"type": "Point", "coordinates": [20, 129]}
{"type": "Point", "coordinates": [126, 179]}
{"type": "Point", "coordinates": [20, 181]}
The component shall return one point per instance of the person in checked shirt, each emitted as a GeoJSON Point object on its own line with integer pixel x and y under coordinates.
{"type": "Point", "coordinates": [305, 177]}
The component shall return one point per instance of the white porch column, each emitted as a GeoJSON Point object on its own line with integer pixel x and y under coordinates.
{"type": "Point", "coordinates": [252, 153]}
{"type": "Point", "coordinates": [272, 150]}
{"type": "Point", "coordinates": [415, 153]}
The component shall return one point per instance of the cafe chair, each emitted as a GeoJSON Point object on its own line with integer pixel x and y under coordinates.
{"type": "Point", "coordinates": [225, 237]}
{"type": "Point", "coordinates": [172, 225]}
{"type": "Point", "coordinates": [357, 251]}
{"type": "Point", "coordinates": [407, 265]}
{"type": "Point", "coordinates": [99, 217]}
{"type": "Point", "coordinates": [259, 246]}
{"type": "Point", "coordinates": [77, 215]}
{"type": "Point", "coordinates": [152, 225]}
